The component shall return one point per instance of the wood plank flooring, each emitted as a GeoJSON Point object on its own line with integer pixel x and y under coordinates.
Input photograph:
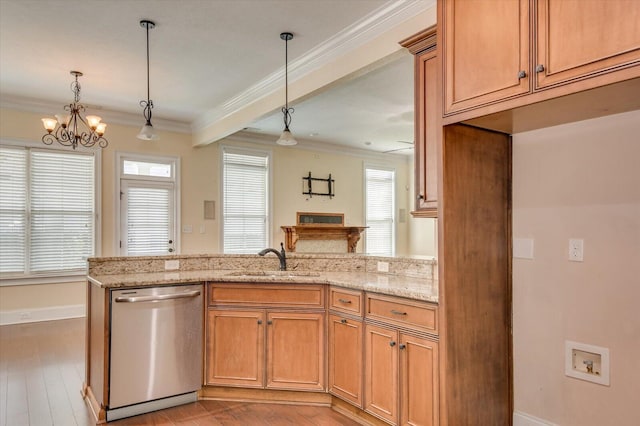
{"type": "Point", "coordinates": [41, 375]}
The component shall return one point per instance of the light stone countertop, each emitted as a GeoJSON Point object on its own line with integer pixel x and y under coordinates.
{"type": "Point", "coordinates": [418, 288]}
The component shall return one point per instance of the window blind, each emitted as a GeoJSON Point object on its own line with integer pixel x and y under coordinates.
{"type": "Point", "coordinates": [245, 201]}
{"type": "Point", "coordinates": [149, 220]}
{"type": "Point", "coordinates": [47, 213]}
{"type": "Point", "coordinates": [380, 208]}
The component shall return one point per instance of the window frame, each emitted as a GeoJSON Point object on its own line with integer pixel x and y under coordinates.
{"type": "Point", "coordinates": [394, 219]}
{"type": "Point", "coordinates": [269, 201]}
{"type": "Point", "coordinates": [121, 156]}
{"type": "Point", "coordinates": [63, 276]}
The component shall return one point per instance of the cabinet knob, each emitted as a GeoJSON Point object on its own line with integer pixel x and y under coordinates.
{"type": "Point", "coordinates": [540, 68]}
{"type": "Point", "coordinates": [392, 343]}
{"type": "Point", "coordinates": [521, 75]}
{"type": "Point", "coordinates": [343, 321]}
{"type": "Point", "coordinates": [420, 197]}
{"type": "Point", "coordinates": [269, 322]}
{"type": "Point", "coordinates": [402, 346]}
{"type": "Point", "coordinates": [259, 322]}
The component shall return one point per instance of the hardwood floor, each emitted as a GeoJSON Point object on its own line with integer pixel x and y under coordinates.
{"type": "Point", "coordinates": [41, 374]}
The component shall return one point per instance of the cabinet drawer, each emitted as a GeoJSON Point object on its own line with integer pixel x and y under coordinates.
{"type": "Point", "coordinates": [404, 312]}
{"type": "Point", "coordinates": [267, 295]}
{"type": "Point", "coordinates": [343, 300]}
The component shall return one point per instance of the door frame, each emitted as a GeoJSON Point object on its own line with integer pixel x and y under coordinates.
{"type": "Point", "coordinates": [120, 156]}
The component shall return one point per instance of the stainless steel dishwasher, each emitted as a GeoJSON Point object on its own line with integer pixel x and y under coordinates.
{"type": "Point", "coordinates": [156, 348]}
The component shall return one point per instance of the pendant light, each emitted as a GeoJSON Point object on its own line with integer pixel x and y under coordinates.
{"type": "Point", "coordinates": [147, 132]}
{"type": "Point", "coordinates": [286, 138]}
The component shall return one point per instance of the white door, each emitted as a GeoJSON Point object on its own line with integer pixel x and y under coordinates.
{"type": "Point", "coordinates": [147, 218]}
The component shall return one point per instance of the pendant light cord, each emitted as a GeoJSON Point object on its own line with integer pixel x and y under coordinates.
{"type": "Point", "coordinates": [148, 92]}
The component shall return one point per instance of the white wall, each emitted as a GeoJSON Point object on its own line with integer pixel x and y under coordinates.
{"type": "Point", "coordinates": [580, 180]}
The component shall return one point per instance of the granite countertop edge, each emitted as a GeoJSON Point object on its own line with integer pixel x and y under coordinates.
{"type": "Point", "coordinates": [417, 288]}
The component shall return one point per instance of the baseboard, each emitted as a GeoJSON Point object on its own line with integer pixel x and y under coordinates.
{"type": "Point", "coordinates": [42, 314]}
{"type": "Point", "coordinates": [524, 419]}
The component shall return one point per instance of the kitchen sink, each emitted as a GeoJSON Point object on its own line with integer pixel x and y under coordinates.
{"type": "Point", "coordinates": [285, 274]}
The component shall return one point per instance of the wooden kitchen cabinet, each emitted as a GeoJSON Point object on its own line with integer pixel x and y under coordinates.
{"type": "Point", "coordinates": [427, 121]}
{"type": "Point", "coordinates": [345, 358]}
{"type": "Point", "coordinates": [401, 360]}
{"type": "Point", "coordinates": [575, 46]}
{"type": "Point", "coordinates": [266, 336]}
{"type": "Point", "coordinates": [235, 348]}
{"type": "Point", "coordinates": [485, 60]}
{"type": "Point", "coordinates": [381, 372]}
{"type": "Point", "coordinates": [295, 351]}
{"type": "Point", "coordinates": [401, 376]}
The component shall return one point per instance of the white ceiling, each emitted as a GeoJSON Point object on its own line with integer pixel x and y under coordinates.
{"type": "Point", "coordinates": [203, 53]}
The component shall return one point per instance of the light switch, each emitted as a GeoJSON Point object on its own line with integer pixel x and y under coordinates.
{"type": "Point", "coordinates": [523, 248]}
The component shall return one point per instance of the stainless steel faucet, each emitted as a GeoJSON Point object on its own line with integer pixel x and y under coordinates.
{"type": "Point", "coordinates": [281, 255]}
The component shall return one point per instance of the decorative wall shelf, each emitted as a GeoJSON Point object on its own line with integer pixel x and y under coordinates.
{"type": "Point", "coordinates": [321, 227]}
{"type": "Point", "coordinates": [322, 232]}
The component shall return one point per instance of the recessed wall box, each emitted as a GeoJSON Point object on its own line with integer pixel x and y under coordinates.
{"type": "Point", "coordinates": [587, 362]}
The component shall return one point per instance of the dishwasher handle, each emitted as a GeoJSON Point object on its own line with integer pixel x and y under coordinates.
{"type": "Point", "coordinates": [139, 299]}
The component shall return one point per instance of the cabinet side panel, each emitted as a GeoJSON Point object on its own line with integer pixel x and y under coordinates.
{"type": "Point", "coordinates": [97, 343]}
{"type": "Point", "coordinates": [475, 277]}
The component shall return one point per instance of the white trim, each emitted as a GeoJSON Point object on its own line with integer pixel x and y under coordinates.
{"type": "Point", "coordinates": [524, 419]}
{"type": "Point", "coordinates": [50, 313]}
{"type": "Point", "coordinates": [366, 29]}
{"type": "Point", "coordinates": [175, 179]}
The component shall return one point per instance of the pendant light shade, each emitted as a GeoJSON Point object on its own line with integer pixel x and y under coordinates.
{"type": "Point", "coordinates": [147, 132]}
{"type": "Point", "coordinates": [286, 138]}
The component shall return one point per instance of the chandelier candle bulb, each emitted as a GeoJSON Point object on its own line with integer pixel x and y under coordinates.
{"type": "Point", "coordinates": [49, 124]}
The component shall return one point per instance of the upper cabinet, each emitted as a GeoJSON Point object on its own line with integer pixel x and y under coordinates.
{"type": "Point", "coordinates": [497, 51]}
{"type": "Point", "coordinates": [580, 39]}
{"type": "Point", "coordinates": [486, 52]}
{"type": "Point", "coordinates": [427, 121]}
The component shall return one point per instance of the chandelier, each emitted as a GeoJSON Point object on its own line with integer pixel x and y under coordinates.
{"type": "Point", "coordinates": [286, 138]}
{"type": "Point", "coordinates": [65, 130]}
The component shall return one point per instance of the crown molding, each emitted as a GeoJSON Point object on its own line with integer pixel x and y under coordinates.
{"type": "Point", "coordinates": [109, 116]}
{"type": "Point", "coordinates": [366, 29]}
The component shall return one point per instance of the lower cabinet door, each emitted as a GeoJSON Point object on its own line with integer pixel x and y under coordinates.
{"type": "Point", "coordinates": [235, 348]}
{"type": "Point", "coordinates": [295, 348]}
{"type": "Point", "coordinates": [419, 381]}
{"type": "Point", "coordinates": [381, 372]}
{"type": "Point", "coordinates": [345, 359]}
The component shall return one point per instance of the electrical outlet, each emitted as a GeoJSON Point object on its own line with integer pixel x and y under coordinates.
{"type": "Point", "coordinates": [187, 229]}
{"type": "Point", "coordinates": [25, 315]}
{"type": "Point", "coordinates": [171, 265]}
{"type": "Point", "coordinates": [383, 266]}
{"type": "Point", "coordinates": [576, 250]}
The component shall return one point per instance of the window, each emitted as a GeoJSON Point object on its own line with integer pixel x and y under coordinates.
{"type": "Point", "coordinates": [380, 211]}
{"type": "Point", "coordinates": [148, 205]}
{"type": "Point", "coordinates": [245, 189]}
{"type": "Point", "coordinates": [47, 211]}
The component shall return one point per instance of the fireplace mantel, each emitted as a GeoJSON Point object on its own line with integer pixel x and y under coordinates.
{"type": "Point", "coordinates": [322, 232]}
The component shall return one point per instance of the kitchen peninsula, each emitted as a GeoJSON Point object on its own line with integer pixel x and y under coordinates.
{"type": "Point", "coordinates": [331, 330]}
